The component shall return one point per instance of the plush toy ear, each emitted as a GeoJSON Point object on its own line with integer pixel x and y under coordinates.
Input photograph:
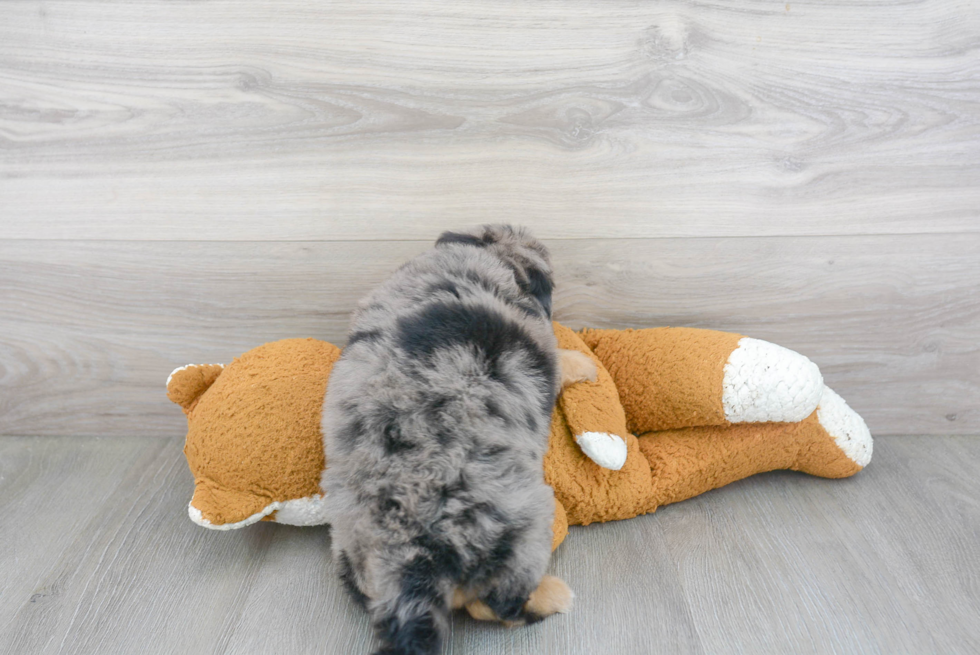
{"type": "Point", "coordinates": [186, 384]}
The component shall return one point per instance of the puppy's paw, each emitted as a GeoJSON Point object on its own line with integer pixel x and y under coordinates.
{"type": "Point", "coordinates": [552, 596]}
{"type": "Point", "coordinates": [481, 611]}
{"type": "Point", "coordinates": [576, 367]}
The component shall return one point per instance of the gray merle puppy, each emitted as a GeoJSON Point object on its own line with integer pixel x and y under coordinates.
{"type": "Point", "coordinates": [435, 425]}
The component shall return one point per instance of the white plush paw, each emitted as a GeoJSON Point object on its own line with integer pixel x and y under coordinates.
{"type": "Point", "coordinates": [196, 516]}
{"type": "Point", "coordinates": [846, 426]}
{"type": "Point", "coordinates": [311, 510]}
{"type": "Point", "coordinates": [606, 450]}
{"type": "Point", "coordinates": [765, 382]}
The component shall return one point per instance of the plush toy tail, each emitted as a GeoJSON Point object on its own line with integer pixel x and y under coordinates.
{"type": "Point", "coordinates": [186, 384]}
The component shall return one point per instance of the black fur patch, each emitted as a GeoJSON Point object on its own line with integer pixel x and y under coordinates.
{"type": "Point", "coordinates": [347, 577]}
{"type": "Point", "coordinates": [417, 636]}
{"type": "Point", "coordinates": [393, 440]}
{"type": "Point", "coordinates": [507, 609]}
{"type": "Point", "coordinates": [534, 283]}
{"type": "Point", "coordinates": [540, 287]}
{"type": "Point", "coordinates": [449, 238]}
{"type": "Point", "coordinates": [438, 326]}
{"type": "Point", "coordinates": [531, 421]}
{"type": "Point", "coordinates": [532, 309]}
{"type": "Point", "coordinates": [444, 429]}
{"type": "Point", "coordinates": [438, 561]}
{"type": "Point", "coordinates": [494, 409]}
{"type": "Point", "coordinates": [444, 285]}
{"type": "Point", "coordinates": [349, 434]}
{"type": "Point", "coordinates": [488, 454]}
{"type": "Point", "coordinates": [489, 565]}
{"type": "Point", "coordinates": [363, 335]}
{"type": "Point", "coordinates": [530, 618]}
{"type": "Point", "coordinates": [445, 437]}
{"type": "Point", "coordinates": [454, 488]}
{"type": "Point", "coordinates": [482, 282]}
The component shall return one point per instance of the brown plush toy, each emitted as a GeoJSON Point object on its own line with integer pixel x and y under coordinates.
{"type": "Point", "coordinates": [673, 412]}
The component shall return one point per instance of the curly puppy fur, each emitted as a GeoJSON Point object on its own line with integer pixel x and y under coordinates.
{"type": "Point", "coordinates": [435, 427]}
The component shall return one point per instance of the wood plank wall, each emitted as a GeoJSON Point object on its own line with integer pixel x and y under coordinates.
{"type": "Point", "coordinates": [181, 181]}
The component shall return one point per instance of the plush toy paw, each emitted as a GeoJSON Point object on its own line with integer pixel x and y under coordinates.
{"type": "Point", "coordinates": [576, 367]}
{"type": "Point", "coordinates": [846, 426]}
{"type": "Point", "coordinates": [606, 450]}
{"type": "Point", "coordinates": [768, 383]}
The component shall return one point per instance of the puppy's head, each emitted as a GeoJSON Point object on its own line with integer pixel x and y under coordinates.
{"type": "Point", "coordinates": [525, 255]}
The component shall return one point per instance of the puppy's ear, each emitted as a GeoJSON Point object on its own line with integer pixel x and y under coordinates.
{"type": "Point", "coordinates": [448, 238]}
{"type": "Point", "coordinates": [540, 286]}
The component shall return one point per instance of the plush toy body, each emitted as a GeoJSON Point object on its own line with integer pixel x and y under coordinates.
{"type": "Point", "coordinates": [709, 408]}
{"type": "Point", "coordinates": [674, 412]}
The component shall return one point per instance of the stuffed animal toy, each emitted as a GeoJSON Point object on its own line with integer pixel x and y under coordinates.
{"type": "Point", "coordinates": [672, 413]}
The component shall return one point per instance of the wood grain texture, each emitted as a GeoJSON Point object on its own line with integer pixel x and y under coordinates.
{"type": "Point", "coordinates": [380, 120]}
{"type": "Point", "coordinates": [94, 328]}
{"type": "Point", "coordinates": [884, 562]}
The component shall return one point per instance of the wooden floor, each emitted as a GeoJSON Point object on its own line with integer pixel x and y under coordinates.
{"type": "Point", "coordinates": [98, 556]}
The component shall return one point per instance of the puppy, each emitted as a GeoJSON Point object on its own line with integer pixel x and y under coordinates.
{"type": "Point", "coordinates": [435, 427]}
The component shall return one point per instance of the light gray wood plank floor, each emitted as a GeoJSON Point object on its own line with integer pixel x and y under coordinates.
{"type": "Point", "coordinates": [98, 556]}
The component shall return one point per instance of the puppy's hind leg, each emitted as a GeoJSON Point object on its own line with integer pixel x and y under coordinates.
{"type": "Point", "coordinates": [575, 367]}
{"type": "Point", "coordinates": [552, 596]}
{"type": "Point", "coordinates": [349, 579]}
{"type": "Point", "coordinates": [414, 619]}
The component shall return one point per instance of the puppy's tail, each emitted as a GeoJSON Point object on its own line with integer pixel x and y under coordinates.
{"type": "Point", "coordinates": [414, 622]}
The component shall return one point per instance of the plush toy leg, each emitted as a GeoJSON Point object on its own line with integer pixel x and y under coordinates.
{"type": "Point", "coordinates": [591, 405]}
{"type": "Point", "coordinates": [833, 442]}
{"type": "Point", "coordinates": [682, 377]}
{"type": "Point", "coordinates": [588, 492]}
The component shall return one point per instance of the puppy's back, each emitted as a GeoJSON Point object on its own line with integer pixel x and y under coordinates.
{"type": "Point", "coordinates": [436, 426]}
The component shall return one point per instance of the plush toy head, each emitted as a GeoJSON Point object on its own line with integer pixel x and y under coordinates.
{"type": "Point", "coordinates": [253, 438]}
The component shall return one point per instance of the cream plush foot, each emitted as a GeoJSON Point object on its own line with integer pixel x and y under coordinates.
{"type": "Point", "coordinates": [765, 383]}
{"type": "Point", "coordinates": [606, 450]}
{"type": "Point", "coordinates": [848, 430]}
